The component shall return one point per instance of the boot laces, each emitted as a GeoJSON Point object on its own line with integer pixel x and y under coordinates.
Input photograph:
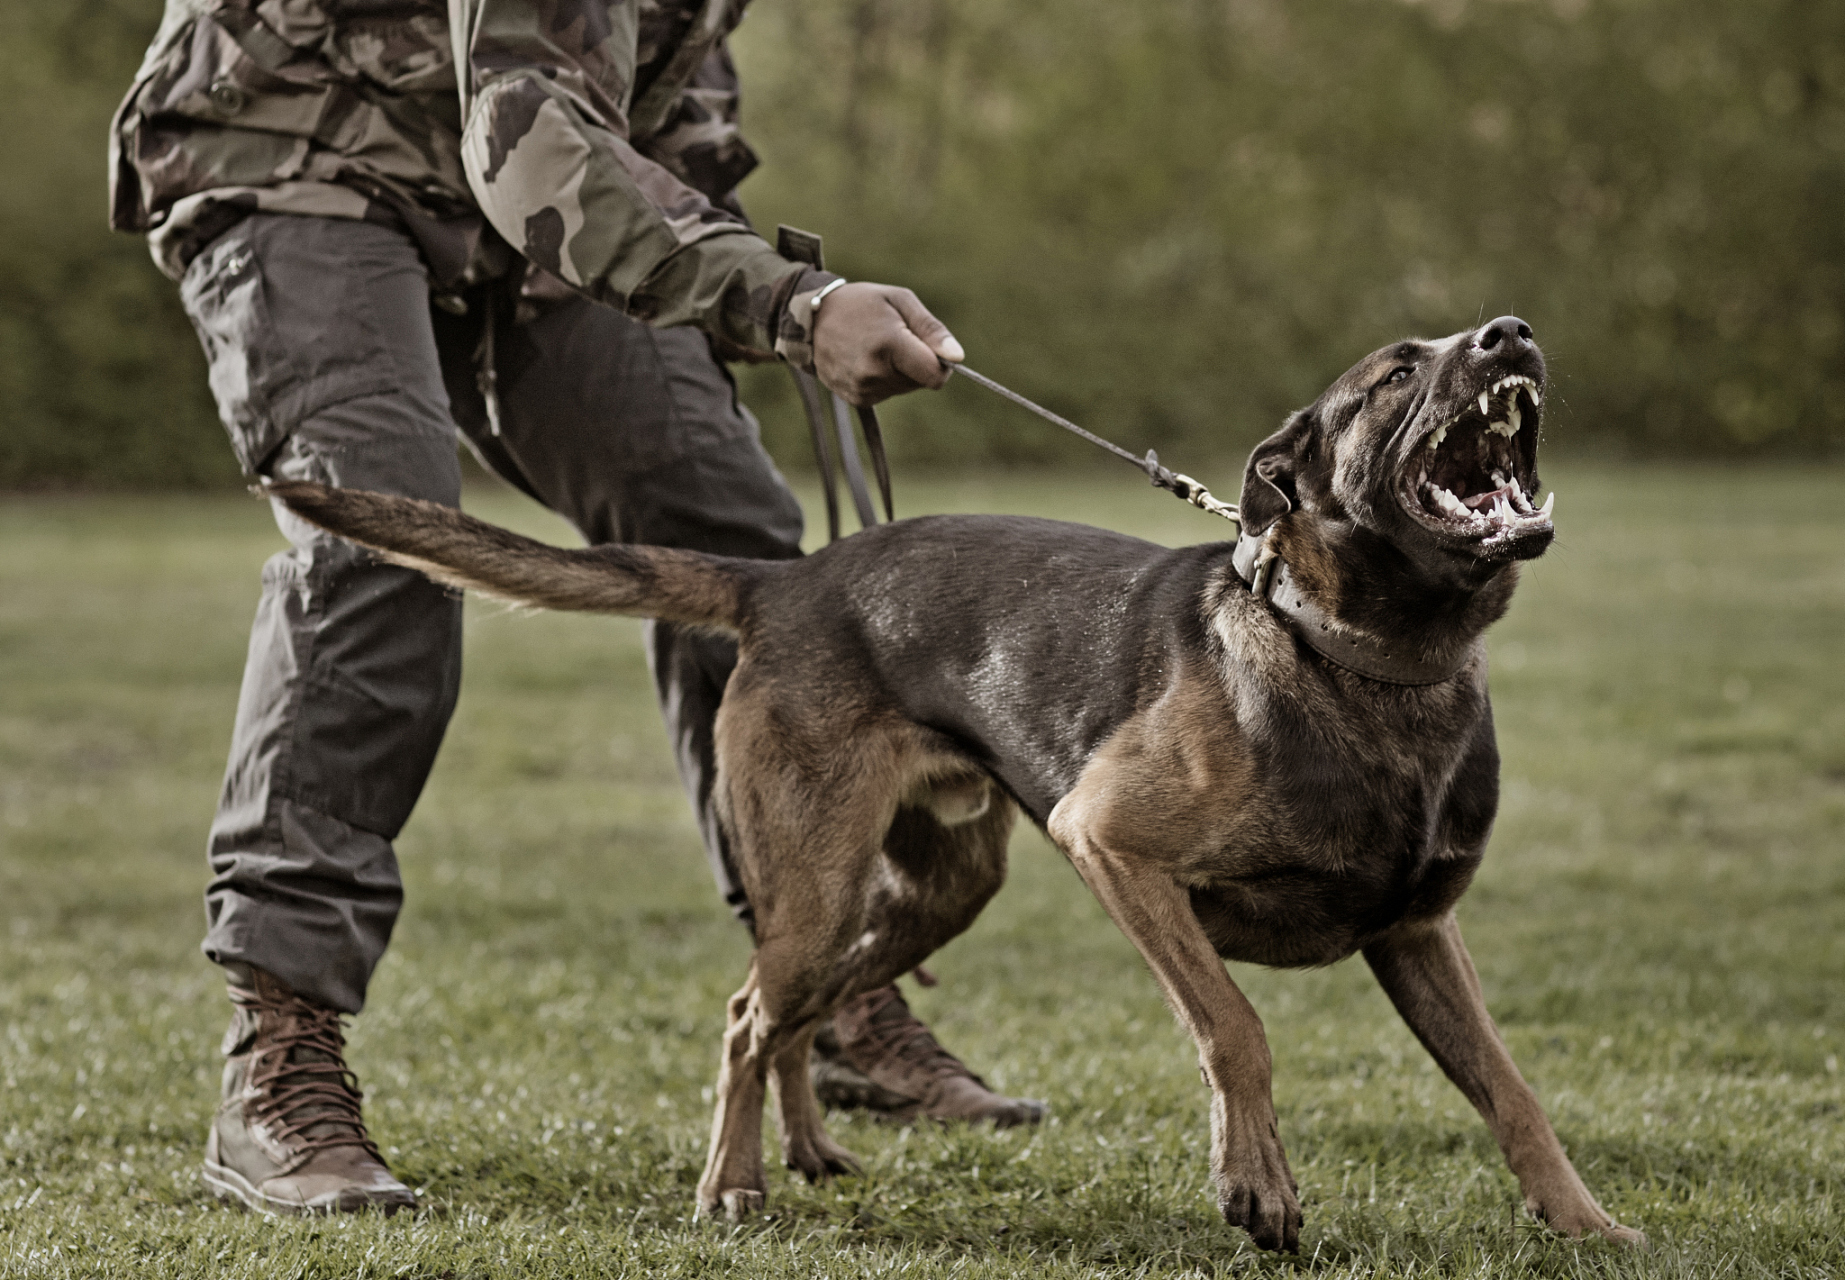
{"type": "Point", "coordinates": [298, 1072]}
{"type": "Point", "coordinates": [892, 1031]}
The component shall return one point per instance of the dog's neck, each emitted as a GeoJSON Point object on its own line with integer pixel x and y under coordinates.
{"type": "Point", "coordinates": [1365, 606]}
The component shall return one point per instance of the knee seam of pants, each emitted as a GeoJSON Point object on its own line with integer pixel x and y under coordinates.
{"type": "Point", "coordinates": [392, 434]}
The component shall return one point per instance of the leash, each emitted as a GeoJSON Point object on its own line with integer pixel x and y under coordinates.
{"type": "Point", "coordinates": [1173, 482]}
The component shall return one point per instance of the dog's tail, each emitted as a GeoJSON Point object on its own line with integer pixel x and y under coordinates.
{"type": "Point", "coordinates": [459, 551]}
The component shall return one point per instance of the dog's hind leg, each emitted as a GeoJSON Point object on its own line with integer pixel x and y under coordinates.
{"type": "Point", "coordinates": [733, 1181]}
{"type": "Point", "coordinates": [806, 1148]}
{"type": "Point", "coordinates": [805, 807]}
{"type": "Point", "coordinates": [929, 884]}
{"type": "Point", "coordinates": [772, 1020]}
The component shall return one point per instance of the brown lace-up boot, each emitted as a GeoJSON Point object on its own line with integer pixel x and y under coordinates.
{"type": "Point", "coordinates": [889, 1061]}
{"type": "Point", "coordinates": [288, 1136]}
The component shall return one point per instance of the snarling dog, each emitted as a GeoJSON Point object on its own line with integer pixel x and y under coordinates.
{"type": "Point", "coordinates": [1279, 751]}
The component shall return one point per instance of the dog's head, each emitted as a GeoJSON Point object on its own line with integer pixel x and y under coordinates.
{"type": "Point", "coordinates": [1431, 446]}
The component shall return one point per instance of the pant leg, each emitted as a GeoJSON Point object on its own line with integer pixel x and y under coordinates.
{"type": "Point", "coordinates": [635, 434]}
{"type": "Point", "coordinates": [324, 364]}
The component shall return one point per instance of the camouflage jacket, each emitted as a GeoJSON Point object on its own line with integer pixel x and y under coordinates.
{"type": "Point", "coordinates": [596, 137]}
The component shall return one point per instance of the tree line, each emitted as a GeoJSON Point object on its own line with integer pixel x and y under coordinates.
{"type": "Point", "coordinates": [1173, 220]}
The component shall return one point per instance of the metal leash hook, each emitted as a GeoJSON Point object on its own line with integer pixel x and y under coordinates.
{"type": "Point", "coordinates": [1190, 490]}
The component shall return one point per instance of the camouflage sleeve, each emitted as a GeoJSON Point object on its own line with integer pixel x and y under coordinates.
{"type": "Point", "coordinates": [547, 154]}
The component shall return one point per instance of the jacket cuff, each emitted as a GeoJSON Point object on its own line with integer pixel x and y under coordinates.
{"type": "Point", "coordinates": [794, 317]}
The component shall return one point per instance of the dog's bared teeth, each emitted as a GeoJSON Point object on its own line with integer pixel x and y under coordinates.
{"type": "Point", "coordinates": [1549, 502]}
{"type": "Point", "coordinates": [1486, 399]}
{"type": "Point", "coordinates": [1440, 434]}
{"type": "Point", "coordinates": [1448, 502]}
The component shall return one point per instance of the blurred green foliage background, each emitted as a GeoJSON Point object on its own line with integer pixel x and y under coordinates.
{"type": "Point", "coordinates": [1174, 220]}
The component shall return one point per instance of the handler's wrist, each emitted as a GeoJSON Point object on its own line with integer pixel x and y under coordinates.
{"type": "Point", "coordinates": [820, 297]}
{"type": "Point", "coordinates": [794, 324]}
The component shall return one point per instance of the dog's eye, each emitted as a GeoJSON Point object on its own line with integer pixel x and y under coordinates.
{"type": "Point", "coordinates": [1397, 375]}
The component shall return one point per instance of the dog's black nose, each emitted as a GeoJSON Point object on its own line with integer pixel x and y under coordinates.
{"type": "Point", "coordinates": [1505, 329]}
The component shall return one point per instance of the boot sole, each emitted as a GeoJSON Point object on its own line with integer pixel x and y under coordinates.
{"type": "Point", "coordinates": [227, 1184]}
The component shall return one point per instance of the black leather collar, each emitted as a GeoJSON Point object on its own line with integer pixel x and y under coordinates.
{"type": "Point", "coordinates": [1266, 575]}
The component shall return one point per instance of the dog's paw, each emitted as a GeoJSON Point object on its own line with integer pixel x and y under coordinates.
{"type": "Point", "coordinates": [1626, 1237]}
{"type": "Point", "coordinates": [1255, 1187]}
{"type": "Point", "coordinates": [1269, 1213]}
{"type": "Point", "coordinates": [740, 1204]}
{"type": "Point", "coordinates": [819, 1157]}
{"type": "Point", "coordinates": [1584, 1219]}
{"type": "Point", "coordinates": [732, 1203]}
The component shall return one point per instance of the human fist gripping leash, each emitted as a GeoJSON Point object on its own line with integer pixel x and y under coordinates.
{"type": "Point", "coordinates": [1278, 751]}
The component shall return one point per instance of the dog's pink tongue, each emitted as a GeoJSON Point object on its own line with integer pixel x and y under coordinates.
{"type": "Point", "coordinates": [1488, 498]}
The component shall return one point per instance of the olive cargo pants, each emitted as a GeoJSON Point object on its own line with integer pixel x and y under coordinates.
{"type": "Point", "coordinates": [328, 363]}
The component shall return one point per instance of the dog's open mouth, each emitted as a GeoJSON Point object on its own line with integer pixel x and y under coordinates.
{"type": "Point", "coordinates": [1469, 476]}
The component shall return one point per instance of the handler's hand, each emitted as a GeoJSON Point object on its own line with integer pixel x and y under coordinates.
{"type": "Point", "coordinates": [875, 341]}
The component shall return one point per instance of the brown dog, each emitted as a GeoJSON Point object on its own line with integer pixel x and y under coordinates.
{"type": "Point", "coordinates": [1278, 752]}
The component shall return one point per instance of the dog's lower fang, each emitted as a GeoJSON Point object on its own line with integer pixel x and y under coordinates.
{"type": "Point", "coordinates": [1520, 503]}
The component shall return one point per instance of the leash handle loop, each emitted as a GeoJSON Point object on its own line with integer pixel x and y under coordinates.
{"type": "Point", "coordinates": [804, 246]}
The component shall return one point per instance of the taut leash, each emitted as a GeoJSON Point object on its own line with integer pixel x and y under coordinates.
{"type": "Point", "coordinates": [1163, 478]}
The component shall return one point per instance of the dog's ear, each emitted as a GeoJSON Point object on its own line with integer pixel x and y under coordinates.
{"type": "Point", "coordinates": [1268, 480]}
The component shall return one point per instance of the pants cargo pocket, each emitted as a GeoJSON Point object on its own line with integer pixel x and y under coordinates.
{"type": "Point", "coordinates": [284, 337]}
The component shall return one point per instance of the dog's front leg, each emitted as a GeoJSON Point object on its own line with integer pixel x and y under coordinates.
{"type": "Point", "coordinates": [1424, 967]}
{"type": "Point", "coordinates": [1255, 1187]}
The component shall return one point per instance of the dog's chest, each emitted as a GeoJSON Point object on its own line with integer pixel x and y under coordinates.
{"type": "Point", "coordinates": [1296, 893]}
{"type": "Point", "coordinates": [1343, 834]}
{"type": "Point", "coordinates": [1300, 836]}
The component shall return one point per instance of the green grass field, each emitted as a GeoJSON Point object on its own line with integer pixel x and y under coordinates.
{"type": "Point", "coordinates": [1660, 926]}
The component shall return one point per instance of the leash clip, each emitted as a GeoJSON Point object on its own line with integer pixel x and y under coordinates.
{"type": "Point", "coordinates": [1177, 482]}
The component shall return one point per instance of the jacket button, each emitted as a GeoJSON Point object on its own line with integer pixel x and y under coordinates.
{"type": "Point", "coordinates": [227, 97]}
